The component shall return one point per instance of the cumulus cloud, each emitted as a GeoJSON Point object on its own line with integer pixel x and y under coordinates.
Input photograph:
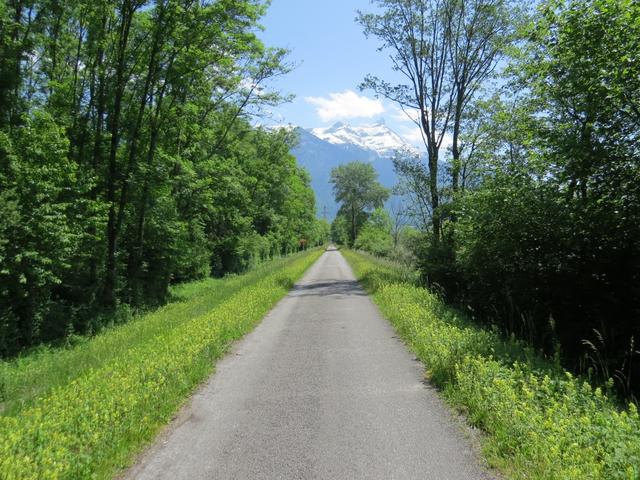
{"type": "Point", "coordinates": [344, 105]}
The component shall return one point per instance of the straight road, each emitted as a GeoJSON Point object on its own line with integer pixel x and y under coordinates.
{"type": "Point", "coordinates": [321, 389]}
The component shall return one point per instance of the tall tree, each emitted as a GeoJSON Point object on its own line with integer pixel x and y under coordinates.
{"type": "Point", "coordinates": [17, 35]}
{"type": "Point", "coordinates": [444, 51]}
{"type": "Point", "coordinates": [122, 71]}
{"type": "Point", "coordinates": [356, 189]}
{"type": "Point", "coordinates": [478, 32]}
{"type": "Point", "coordinates": [416, 34]}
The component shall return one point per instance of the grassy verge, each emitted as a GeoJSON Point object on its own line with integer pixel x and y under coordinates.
{"type": "Point", "coordinates": [32, 375]}
{"type": "Point", "coordinates": [542, 423]}
{"type": "Point", "coordinates": [90, 421]}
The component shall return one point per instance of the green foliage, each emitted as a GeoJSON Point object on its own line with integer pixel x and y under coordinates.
{"type": "Point", "coordinates": [356, 189]}
{"type": "Point", "coordinates": [375, 236]}
{"type": "Point", "coordinates": [446, 51]}
{"type": "Point", "coordinates": [88, 425]}
{"type": "Point", "coordinates": [321, 233]}
{"type": "Point", "coordinates": [409, 245]}
{"type": "Point", "coordinates": [379, 238]}
{"type": "Point", "coordinates": [340, 230]}
{"type": "Point", "coordinates": [128, 161]}
{"type": "Point", "coordinates": [541, 421]}
{"type": "Point", "coordinates": [541, 245]}
{"type": "Point", "coordinates": [40, 232]}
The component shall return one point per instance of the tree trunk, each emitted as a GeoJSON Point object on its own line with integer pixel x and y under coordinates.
{"type": "Point", "coordinates": [432, 153]}
{"type": "Point", "coordinates": [99, 76]}
{"type": "Point", "coordinates": [109, 289]}
{"type": "Point", "coordinates": [455, 147]}
{"type": "Point", "coordinates": [135, 255]}
{"type": "Point", "coordinates": [353, 225]}
{"type": "Point", "coordinates": [435, 197]}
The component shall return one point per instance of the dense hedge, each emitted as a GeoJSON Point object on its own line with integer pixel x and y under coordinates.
{"type": "Point", "coordinates": [546, 242]}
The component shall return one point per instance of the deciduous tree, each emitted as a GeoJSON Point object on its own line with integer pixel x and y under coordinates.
{"type": "Point", "coordinates": [356, 189]}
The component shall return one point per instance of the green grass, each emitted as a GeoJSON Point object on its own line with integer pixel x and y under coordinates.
{"type": "Point", "coordinates": [541, 422]}
{"type": "Point", "coordinates": [101, 401]}
{"type": "Point", "coordinates": [30, 376]}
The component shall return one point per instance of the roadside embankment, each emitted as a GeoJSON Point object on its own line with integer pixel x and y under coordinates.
{"type": "Point", "coordinates": [541, 422]}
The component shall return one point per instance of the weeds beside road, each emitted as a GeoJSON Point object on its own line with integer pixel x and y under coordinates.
{"type": "Point", "coordinates": [91, 423]}
{"type": "Point", "coordinates": [541, 422]}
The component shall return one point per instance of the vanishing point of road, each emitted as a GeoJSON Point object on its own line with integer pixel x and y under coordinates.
{"type": "Point", "coordinates": [321, 389]}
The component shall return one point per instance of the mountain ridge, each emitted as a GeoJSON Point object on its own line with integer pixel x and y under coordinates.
{"type": "Point", "coordinates": [319, 150]}
{"type": "Point", "coordinates": [377, 137]}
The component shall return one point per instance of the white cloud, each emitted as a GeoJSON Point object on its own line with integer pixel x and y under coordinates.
{"type": "Point", "coordinates": [413, 136]}
{"type": "Point", "coordinates": [347, 104]}
{"type": "Point", "coordinates": [406, 115]}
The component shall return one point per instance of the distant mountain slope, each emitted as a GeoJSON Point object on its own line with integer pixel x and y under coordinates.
{"type": "Point", "coordinates": [321, 149]}
{"type": "Point", "coordinates": [378, 137]}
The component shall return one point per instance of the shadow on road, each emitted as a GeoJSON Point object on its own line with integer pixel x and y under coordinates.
{"type": "Point", "coordinates": [332, 287]}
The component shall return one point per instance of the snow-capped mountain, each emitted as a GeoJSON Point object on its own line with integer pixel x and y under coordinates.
{"type": "Point", "coordinates": [378, 137]}
{"type": "Point", "coordinates": [321, 149]}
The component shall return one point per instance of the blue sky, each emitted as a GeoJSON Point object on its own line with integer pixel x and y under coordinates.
{"type": "Point", "coordinates": [333, 57]}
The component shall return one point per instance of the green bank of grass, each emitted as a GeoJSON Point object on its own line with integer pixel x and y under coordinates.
{"type": "Point", "coordinates": [110, 395]}
{"type": "Point", "coordinates": [34, 374]}
{"type": "Point", "coordinates": [541, 422]}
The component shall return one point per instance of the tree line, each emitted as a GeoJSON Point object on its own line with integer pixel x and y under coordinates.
{"type": "Point", "coordinates": [128, 160]}
{"type": "Point", "coordinates": [528, 196]}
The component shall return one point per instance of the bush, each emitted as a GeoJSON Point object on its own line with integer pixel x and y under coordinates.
{"type": "Point", "coordinates": [375, 236]}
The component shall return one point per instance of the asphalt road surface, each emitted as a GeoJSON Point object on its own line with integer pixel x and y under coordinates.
{"type": "Point", "coordinates": [321, 389]}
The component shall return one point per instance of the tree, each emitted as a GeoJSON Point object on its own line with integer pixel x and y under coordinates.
{"type": "Point", "coordinates": [322, 231]}
{"type": "Point", "coordinates": [340, 230]}
{"type": "Point", "coordinates": [444, 49]}
{"type": "Point", "coordinates": [128, 160]}
{"type": "Point", "coordinates": [399, 215]}
{"type": "Point", "coordinates": [415, 32]}
{"type": "Point", "coordinates": [40, 236]}
{"type": "Point", "coordinates": [375, 236]}
{"type": "Point", "coordinates": [413, 185]}
{"type": "Point", "coordinates": [356, 189]}
{"type": "Point", "coordinates": [17, 20]}
{"type": "Point", "coordinates": [479, 31]}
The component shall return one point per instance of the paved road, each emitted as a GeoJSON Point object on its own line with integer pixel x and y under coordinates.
{"type": "Point", "coordinates": [321, 389]}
